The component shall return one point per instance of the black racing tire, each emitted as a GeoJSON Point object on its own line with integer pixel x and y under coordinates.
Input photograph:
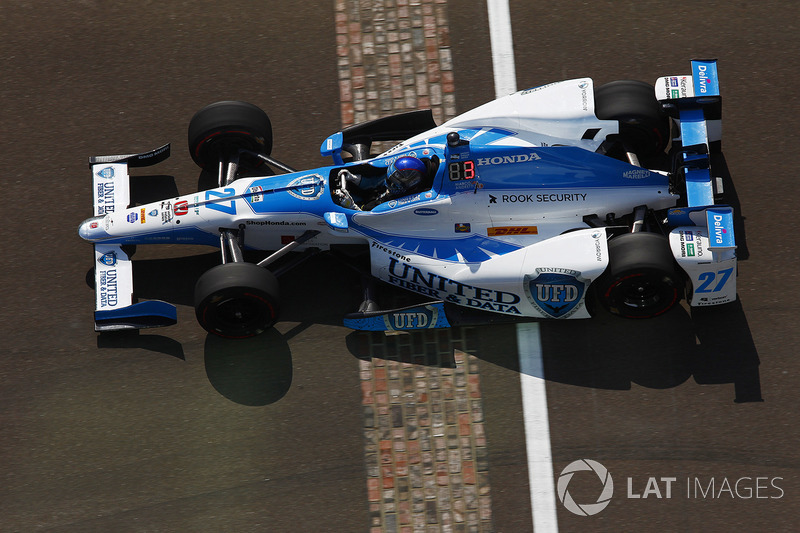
{"type": "Point", "coordinates": [237, 300]}
{"type": "Point", "coordinates": [640, 280]}
{"type": "Point", "coordinates": [643, 124]}
{"type": "Point", "coordinates": [222, 128]}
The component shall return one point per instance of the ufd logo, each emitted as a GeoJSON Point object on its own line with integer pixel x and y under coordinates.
{"type": "Point", "coordinates": [108, 259]}
{"type": "Point", "coordinates": [106, 173]}
{"type": "Point", "coordinates": [555, 293]}
{"type": "Point", "coordinates": [416, 318]}
{"type": "Point", "coordinates": [306, 187]}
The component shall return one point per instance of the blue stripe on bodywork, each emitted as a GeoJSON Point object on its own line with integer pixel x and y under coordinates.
{"type": "Point", "coordinates": [555, 167]}
{"type": "Point", "coordinates": [472, 249]}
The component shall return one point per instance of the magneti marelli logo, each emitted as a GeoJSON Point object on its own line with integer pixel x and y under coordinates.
{"type": "Point", "coordinates": [585, 509]}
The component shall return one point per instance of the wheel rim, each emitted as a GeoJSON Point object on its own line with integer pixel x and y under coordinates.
{"type": "Point", "coordinates": [240, 315]}
{"type": "Point", "coordinates": [639, 292]}
{"type": "Point", "coordinates": [642, 295]}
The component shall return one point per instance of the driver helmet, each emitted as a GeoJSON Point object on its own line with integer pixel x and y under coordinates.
{"type": "Point", "coordinates": [404, 175]}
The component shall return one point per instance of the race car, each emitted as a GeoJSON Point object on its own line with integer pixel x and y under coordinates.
{"type": "Point", "coordinates": [536, 205]}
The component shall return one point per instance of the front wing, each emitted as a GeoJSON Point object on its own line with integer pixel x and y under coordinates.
{"type": "Point", "coordinates": [113, 271]}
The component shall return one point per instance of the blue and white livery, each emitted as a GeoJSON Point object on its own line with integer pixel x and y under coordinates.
{"type": "Point", "coordinates": [533, 205]}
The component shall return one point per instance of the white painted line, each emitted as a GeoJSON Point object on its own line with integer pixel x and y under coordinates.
{"type": "Point", "coordinates": [505, 74]}
{"type": "Point", "coordinates": [537, 428]}
{"type": "Point", "coordinates": [529, 344]}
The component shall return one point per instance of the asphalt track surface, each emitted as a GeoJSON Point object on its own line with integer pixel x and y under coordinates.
{"type": "Point", "coordinates": [171, 430]}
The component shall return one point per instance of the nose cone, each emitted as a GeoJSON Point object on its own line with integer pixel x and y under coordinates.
{"type": "Point", "coordinates": [93, 229]}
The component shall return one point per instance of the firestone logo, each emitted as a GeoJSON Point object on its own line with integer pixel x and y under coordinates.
{"type": "Point", "coordinates": [585, 509]}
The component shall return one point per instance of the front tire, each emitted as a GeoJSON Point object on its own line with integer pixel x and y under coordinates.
{"type": "Point", "coordinates": [221, 129]}
{"type": "Point", "coordinates": [237, 300]}
{"type": "Point", "coordinates": [640, 280]}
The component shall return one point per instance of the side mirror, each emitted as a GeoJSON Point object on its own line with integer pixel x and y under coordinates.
{"type": "Point", "coordinates": [336, 221]}
{"type": "Point", "coordinates": [332, 146]}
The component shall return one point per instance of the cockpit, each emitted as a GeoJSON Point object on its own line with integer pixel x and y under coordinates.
{"type": "Point", "coordinates": [363, 187]}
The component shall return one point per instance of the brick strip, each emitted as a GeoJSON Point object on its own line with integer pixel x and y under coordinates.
{"type": "Point", "coordinates": [425, 445]}
{"type": "Point", "coordinates": [393, 56]}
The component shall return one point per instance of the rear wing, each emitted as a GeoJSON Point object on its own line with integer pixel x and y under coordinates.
{"type": "Point", "coordinates": [113, 272]}
{"type": "Point", "coordinates": [699, 108]}
{"type": "Point", "coordinates": [703, 240]}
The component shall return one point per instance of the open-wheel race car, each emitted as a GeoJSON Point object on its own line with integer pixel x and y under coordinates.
{"type": "Point", "coordinates": [534, 205]}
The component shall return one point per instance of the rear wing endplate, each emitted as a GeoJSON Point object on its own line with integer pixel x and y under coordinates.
{"type": "Point", "coordinates": [113, 272]}
{"type": "Point", "coordinates": [703, 81]}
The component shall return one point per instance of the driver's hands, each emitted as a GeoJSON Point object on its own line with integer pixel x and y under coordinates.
{"type": "Point", "coordinates": [345, 200]}
{"type": "Point", "coordinates": [350, 177]}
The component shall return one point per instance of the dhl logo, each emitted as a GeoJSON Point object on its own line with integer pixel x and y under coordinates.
{"type": "Point", "coordinates": [513, 230]}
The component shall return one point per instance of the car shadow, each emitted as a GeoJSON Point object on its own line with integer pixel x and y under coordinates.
{"type": "Point", "coordinates": [711, 345]}
{"type": "Point", "coordinates": [255, 371]}
{"type": "Point", "coordinates": [731, 197]}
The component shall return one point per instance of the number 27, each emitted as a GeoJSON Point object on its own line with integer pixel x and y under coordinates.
{"type": "Point", "coordinates": [707, 278]}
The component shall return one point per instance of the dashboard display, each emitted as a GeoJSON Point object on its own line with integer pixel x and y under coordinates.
{"type": "Point", "coordinates": [461, 170]}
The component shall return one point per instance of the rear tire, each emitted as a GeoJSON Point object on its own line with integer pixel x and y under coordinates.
{"type": "Point", "coordinates": [221, 129]}
{"type": "Point", "coordinates": [237, 300]}
{"type": "Point", "coordinates": [643, 125]}
{"type": "Point", "coordinates": [640, 281]}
